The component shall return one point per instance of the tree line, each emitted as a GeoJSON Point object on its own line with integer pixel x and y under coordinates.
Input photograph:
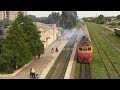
{"type": "Point", "coordinates": [21, 44]}
{"type": "Point", "coordinates": [101, 19]}
{"type": "Point", "coordinates": [67, 19]}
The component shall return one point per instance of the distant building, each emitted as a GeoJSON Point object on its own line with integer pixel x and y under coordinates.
{"type": "Point", "coordinates": [49, 33]}
{"type": "Point", "coordinates": [113, 18]}
{"type": "Point", "coordinates": [2, 15]}
{"type": "Point", "coordinates": [10, 15]}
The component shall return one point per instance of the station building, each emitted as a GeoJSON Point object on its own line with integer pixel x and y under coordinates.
{"type": "Point", "coordinates": [49, 33]}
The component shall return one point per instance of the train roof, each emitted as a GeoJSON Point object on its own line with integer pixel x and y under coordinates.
{"type": "Point", "coordinates": [84, 42]}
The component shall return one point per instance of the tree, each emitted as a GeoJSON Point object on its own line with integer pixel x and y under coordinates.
{"type": "Point", "coordinates": [0, 46]}
{"type": "Point", "coordinates": [5, 22]}
{"type": "Point", "coordinates": [118, 17]}
{"type": "Point", "coordinates": [43, 19]}
{"type": "Point", "coordinates": [108, 19]}
{"type": "Point", "coordinates": [33, 18]}
{"type": "Point", "coordinates": [15, 49]}
{"type": "Point", "coordinates": [100, 19]}
{"type": "Point", "coordinates": [33, 37]}
{"type": "Point", "coordinates": [20, 45]}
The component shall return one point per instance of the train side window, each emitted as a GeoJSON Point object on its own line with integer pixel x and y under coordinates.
{"type": "Point", "coordinates": [80, 49]}
{"type": "Point", "coordinates": [84, 49]}
{"type": "Point", "coordinates": [89, 49]}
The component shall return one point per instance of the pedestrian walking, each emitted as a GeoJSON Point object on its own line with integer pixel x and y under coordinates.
{"type": "Point", "coordinates": [56, 50]}
{"type": "Point", "coordinates": [59, 39]}
{"type": "Point", "coordinates": [52, 50]}
{"type": "Point", "coordinates": [39, 55]}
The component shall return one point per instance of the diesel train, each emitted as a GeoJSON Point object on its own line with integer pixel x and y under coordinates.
{"type": "Point", "coordinates": [84, 50]}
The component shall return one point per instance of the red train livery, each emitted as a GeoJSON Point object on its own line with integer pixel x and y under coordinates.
{"type": "Point", "coordinates": [84, 50]}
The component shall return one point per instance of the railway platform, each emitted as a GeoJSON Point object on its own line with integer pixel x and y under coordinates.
{"type": "Point", "coordinates": [45, 61]}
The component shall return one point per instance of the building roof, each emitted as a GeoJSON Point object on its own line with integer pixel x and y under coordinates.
{"type": "Point", "coordinates": [45, 26]}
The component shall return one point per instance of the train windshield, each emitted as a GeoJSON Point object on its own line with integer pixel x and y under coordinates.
{"type": "Point", "coordinates": [85, 49]}
{"type": "Point", "coordinates": [80, 49]}
{"type": "Point", "coordinates": [89, 48]}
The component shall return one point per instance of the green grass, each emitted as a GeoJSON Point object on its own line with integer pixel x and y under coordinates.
{"type": "Point", "coordinates": [97, 66]}
{"type": "Point", "coordinates": [112, 53]}
{"type": "Point", "coordinates": [112, 37]}
{"type": "Point", "coordinates": [98, 70]}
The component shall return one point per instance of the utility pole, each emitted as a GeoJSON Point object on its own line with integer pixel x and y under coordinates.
{"type": "Point", "coordinates": [58, 23]}
{"type": "Point", "coordinates": [96, 13]}
{"type": "Point", "coordinates": [96, 17]}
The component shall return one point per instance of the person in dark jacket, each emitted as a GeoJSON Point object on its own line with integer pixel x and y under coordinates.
{"type": "Point", "coordinates": [56, 49]}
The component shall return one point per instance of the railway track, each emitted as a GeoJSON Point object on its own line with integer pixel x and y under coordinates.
{"type": "Point", "coordinates": [85, 71]}
{"type": "Point", "coordinates": [109, 66]}
{"type": "Point", "coordinates": [111, 32]}
{"type": "Point", "coordinates": [100, 57]}
{"type": "Point", "coordinates": [109, 41]}
{"type": "Point", "coordinates": [59, 68]}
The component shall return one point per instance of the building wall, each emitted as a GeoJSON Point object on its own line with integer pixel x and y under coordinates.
{"type": "Point", "coordinates": [48, 37]}
{"type": "Point", "coordinates": [1, 15]}
{"type": "Point", "coordinates": [49, 33]}
{"type": "Point", "coordinates": [10, 15]}
{"type": "Point", "coordinates": [14, 14]}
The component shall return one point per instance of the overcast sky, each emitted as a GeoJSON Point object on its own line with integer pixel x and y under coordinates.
{"type": "Point", "coordinates": [81, 14]}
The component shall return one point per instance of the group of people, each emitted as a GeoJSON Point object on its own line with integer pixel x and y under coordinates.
{"type": "Point", "coordinates": [56, 50]}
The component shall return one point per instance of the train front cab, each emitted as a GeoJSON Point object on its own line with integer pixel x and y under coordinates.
{"type": "Point", "coordinates": [84, 54]}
